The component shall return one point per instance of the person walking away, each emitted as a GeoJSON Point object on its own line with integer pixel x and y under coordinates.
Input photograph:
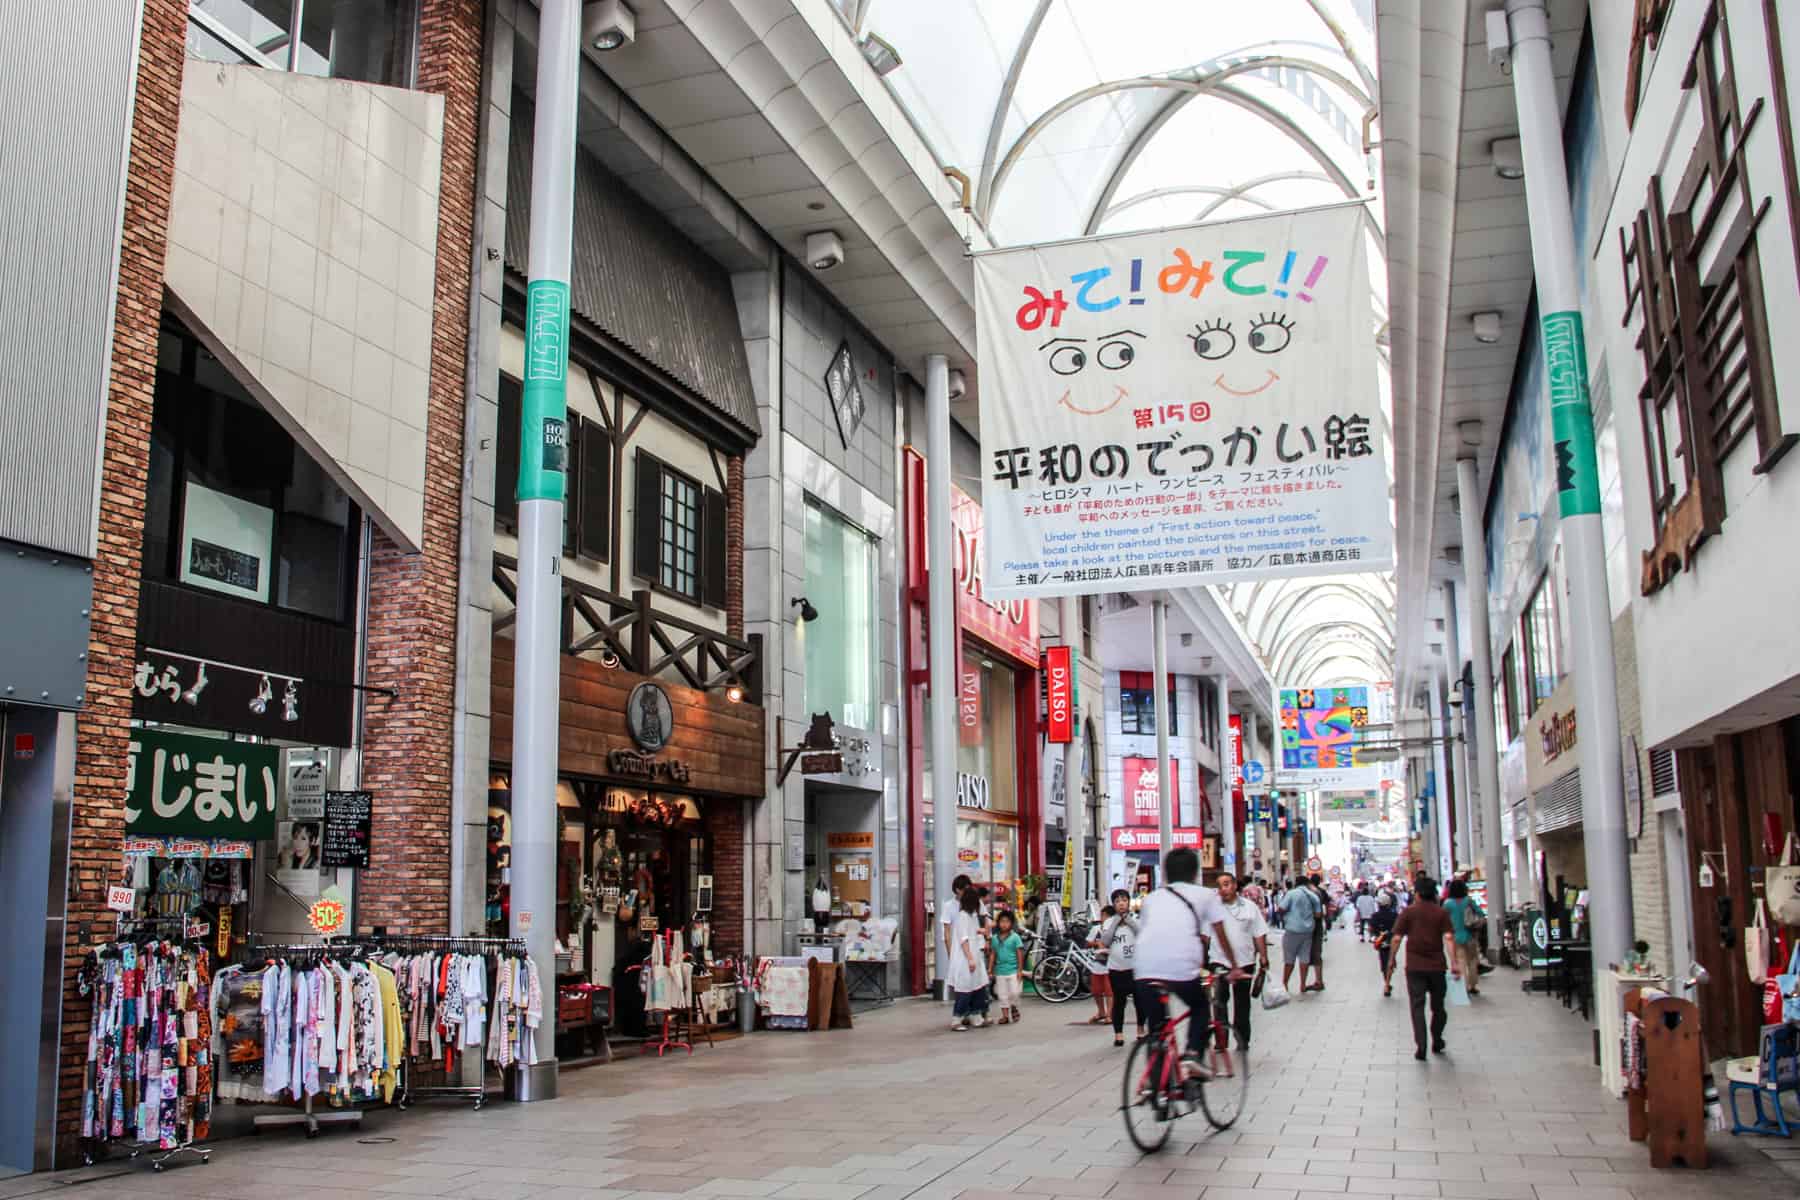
{"type": "Point", "coordinates": [1005, 949]}
{"type": "Point", "coordinates": [1425, 931]}
{"type": "Point", "coordinates": [1381, 932]}
{"type": "Point", "coordinates": [1299, 913]}
{"type": "Point", "coordinates": [1168, 953]}
{"type": "Point", "coordinates": [1117, 937]}
{"type": "Point", "coordinates": [1462, 908]}
{"type": "Point", "coordinates": [1366, 907]}
{"type": "Point", "coordinates": [1248, 934]}
{"type": "Point", "coordinates": [1327, 912]}
{"type": "Point", "coordinates": [968, 976]}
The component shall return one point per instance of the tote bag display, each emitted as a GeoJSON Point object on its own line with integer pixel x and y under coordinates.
{"type": "Point", "coordinates": [1757, 946]}
{"type": "Point", "coordinates": [1783, 887]}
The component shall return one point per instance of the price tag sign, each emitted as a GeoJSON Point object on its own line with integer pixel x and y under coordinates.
{"type": "Point", "coordinates": [120, 899]}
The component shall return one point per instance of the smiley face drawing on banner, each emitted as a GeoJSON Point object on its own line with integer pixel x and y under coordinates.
{"type": "Point", "coordinates": [1193, 405]}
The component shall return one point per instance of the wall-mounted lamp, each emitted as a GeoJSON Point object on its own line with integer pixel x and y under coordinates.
{"type": "Point", "coordinates": [1470, 433]}
{"type": "Point", "coordinates": [807, 611]}
{"type": "Point", "coordinates": [735, 693]}
{"type": "Point", "coordinates": [959, 385]}
{"type": "Point", "coordinates": [880, 54]}
{"type": "Point", "coordinates": [1486, 326]}
{"type": "Point", "coordinates": [1509, 160]}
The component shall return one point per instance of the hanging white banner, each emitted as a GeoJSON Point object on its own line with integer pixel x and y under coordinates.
{"type": "Point", "coordinates": [1193, 405]}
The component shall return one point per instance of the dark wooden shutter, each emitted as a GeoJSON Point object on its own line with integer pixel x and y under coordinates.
{"type": "Point", "coordinates": [712, 549]}
{"type": "Point", "coordinates": [646, 514]}
{"type": "Point", "coordinates": [593, 535]}
{"type": "Point", "coordinates": [506, 459]}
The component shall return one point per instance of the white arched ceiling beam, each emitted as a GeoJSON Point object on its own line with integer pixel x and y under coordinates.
{"type": "Point", "coordinates": [1342, 38]}
{"type": "Point", "coordinates": [1287, 607]}
{"type": "Point", "coordinates": [1196, 189]}
{"type": "Point", "coordinates": [1239, 193]}
{"type": "Point", "coordinates": [1308, 671]}
{"type": "Point", "coordinates": [1002, 104]}
{"type": "Point", "coordinates": [1214, 83]}
{"type": "Point", "coordinates": [1326, 633]}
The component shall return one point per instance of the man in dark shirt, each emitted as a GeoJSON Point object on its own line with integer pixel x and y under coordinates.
{"type": "Point", "coordinates": [1429, 938]}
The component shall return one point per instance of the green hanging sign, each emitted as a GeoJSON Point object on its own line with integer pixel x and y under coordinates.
{"type": "Point", "coordinates": [176, 783]}
{"type": "Point", "coordinates": [544, 403]}
{"type": "Point", "coordinates": [1571, 415]}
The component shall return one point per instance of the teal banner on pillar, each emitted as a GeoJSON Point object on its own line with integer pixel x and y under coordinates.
{"type": "Point", "coordinates": [544, 405]}
{"type": "Point", "coordinates": [1571, 415]}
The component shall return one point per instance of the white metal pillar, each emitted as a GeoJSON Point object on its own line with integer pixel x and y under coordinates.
{"type": "Point", "coordinates": [1474, 556]}
{"type": "Point", "coordinates": [1074, 803]}
{"type": "Point", "coordinates": [1165, 820]}
{"type": "Point", "coordinates": [543, 463]}
{"type": "Point", "coordinates": [1553, 254]}
{"type": "Point", "coordinates": [1230, 836]}
{"type": "Point", "coordinates": [945, 653]}
{"type": "Point", "coordinates": [1437, 721]}
{"type": "Point", "coordinates": [1453, 728]}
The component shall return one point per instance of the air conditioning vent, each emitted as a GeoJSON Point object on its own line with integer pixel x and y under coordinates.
{"type": "Point", "coordinates": [1662, 773]}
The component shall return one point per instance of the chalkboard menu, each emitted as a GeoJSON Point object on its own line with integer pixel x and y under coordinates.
{"type": "Point", "coordinates": [347, 820]}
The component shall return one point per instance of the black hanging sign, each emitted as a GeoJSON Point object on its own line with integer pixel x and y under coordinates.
{"type": "Point", "coordinates": [348, 816]}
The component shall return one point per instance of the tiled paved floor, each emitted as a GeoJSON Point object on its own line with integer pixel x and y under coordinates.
{"type": "Point", "coordinates": [900, 1107]}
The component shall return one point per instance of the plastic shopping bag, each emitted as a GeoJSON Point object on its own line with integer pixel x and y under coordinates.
{"type": "Point", "coordinates": [1274, 996]}
{"type": "Point", "coordinates": [1457, 994]}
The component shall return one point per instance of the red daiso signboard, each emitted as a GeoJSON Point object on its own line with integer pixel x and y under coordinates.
{"type": "Point", "coordinates": [1009, 626]}
{"type": "Point", "coordinates": [1059, 694]}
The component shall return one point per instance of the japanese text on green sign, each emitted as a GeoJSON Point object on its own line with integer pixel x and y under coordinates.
{"type": "Point", "coordinates": [206, 787]}
{"type": "Point", "coordinates": [543, 404]}
{"type": "Point", "coordinates": [1571, 415]}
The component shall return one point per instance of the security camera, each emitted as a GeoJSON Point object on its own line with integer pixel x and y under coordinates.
{"type": "Point", "coordinates": [959, 385]}
{"type": "Point", "coordinates": [824, 250]}
{"type": "Point", "coordinates": [607, 24]}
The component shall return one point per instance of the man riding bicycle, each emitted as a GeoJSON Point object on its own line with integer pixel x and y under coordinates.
{"type": "Point", "coordinates": [1172, 920]}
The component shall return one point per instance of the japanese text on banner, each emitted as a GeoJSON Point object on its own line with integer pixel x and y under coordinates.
{"type": "Point", "coordinates": [1194, 405]}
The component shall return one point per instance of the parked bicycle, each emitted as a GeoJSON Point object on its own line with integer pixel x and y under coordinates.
{"type": "Point", "coordinates": [1161, 1087]}
{"type": "Point", "coordinates": [1065, 974]}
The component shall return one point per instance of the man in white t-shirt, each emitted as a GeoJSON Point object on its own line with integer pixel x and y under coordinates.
{"type": "Point", "coordinates": [1171, 922]}
{"type": "Point", "coordinates": [1247, 932]}
{"type": "Point", "coordinates": [1366, 907]}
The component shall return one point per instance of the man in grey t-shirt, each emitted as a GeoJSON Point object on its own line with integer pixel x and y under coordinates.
{"type": "Point", "coordinates": [1299, 916]}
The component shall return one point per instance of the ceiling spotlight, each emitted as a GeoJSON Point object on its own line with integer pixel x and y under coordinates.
{"type": "Point", "coordinates": [1187, 639]}
{"type": "Point", "coordinates": [880, 54]}
{"type": "Point", "coordinates": [607, 24]}
{"type": "Point", "coordinates": [824, 250]}
{"type": "Point", "coordinates": [735, 693]}
{"type": "Point", "coordinates": [959, 385]}
{"type": "Point", "coordinates": [1509, 160]}
{"type": "Point", "coordinates": [807, 611]}
{"type": "Point", "coordinates": [1486, 326]}
{"type": "Point", "coordinates": [1470, 432]}
{"type": "Point", "coordinates": [1453, 555]}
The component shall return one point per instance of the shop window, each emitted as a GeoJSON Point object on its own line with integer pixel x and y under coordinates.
{"type": "Point", "coordinates": [368, 40]}
{"type": "Point", "coordinates": [842, 643]}
{"type": "Point", "coordinates": [1543, 644]}
{"type": "Point", "coordinates": [1137, 704]}
{"type": "Point", "coordinates": [678, 533]}
{"type": "Point", "coordinates": [1087, 628]}
{"type": "Point", "coordinates": [1512, 691]}
{"type": "Point", "coordinates": [233, 503]}
{"type": "Point", "coordinates": [588, 492]}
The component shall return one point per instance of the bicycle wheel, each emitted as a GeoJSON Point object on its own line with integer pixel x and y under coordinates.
{"type": "Point", "coordinates": [1057, 978]}
{"type": "Point", "coordinates": [1223, 1097]}
{"type": "Point", "coordinates": [1145, 1101]}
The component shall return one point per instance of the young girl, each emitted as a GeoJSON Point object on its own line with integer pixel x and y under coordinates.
{"type": "Point", "coordinates": [1004, 949]}
{"type": "Point", "coordinates": [967, 975]}
{"type": "Point", "coordinates": [1119, 936]}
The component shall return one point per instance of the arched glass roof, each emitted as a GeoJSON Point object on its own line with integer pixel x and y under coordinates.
{"type": "Point", "coordinates": [1080, 117]}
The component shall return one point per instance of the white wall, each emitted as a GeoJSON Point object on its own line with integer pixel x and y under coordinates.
{"type": "Point", "coordinates": [1713, 640]}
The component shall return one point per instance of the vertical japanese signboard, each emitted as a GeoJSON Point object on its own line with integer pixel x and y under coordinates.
{"type": "Point", "coordinates": [1059, 692]}
{"type": "Point", "coordinates": [1185, 406]}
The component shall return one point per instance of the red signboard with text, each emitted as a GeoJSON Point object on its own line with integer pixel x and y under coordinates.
{"type": "Point", "coordinates": [968, 705]}
{"type": "Point", "coordinates": [1009, 626]}
{"type": "Point", "coordinates": [1059, 691]}
{"type": "Point", "coordinates": [1150, 839]}
{"type": "Point", "coordinates": [1143, 805]}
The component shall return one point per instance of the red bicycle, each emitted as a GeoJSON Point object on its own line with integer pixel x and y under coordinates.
{"type": "Point", "coordinates": [1162, 1085]}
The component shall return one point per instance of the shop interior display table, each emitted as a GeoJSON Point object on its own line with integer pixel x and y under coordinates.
{"type": "Point", "coordinates": [867, 980]}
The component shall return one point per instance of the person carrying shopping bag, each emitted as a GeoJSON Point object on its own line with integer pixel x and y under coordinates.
{"type": "Point", "coordinates": [1466, 918]}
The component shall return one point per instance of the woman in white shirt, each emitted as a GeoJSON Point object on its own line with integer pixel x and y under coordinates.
{"type": "Point", "coordinates": [967, 974]}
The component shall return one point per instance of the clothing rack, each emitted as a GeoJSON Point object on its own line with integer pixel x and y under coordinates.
{"type": "Point", "coordinates": [411, 943]}
{"type": "Point", "coordinates": [305, 1117]}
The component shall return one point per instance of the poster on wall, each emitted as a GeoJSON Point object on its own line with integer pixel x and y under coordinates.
{"type": "Point", "coordinates": [297, 858]}
{"type": "Point", "coordinates": [1143, 802]}
{"type": "Point", "coordinates": [1322, 730]}
{"type": "Point", "coordinates": [225, 543]}
{"type": "Point", "coordinates": [1183, 406]}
